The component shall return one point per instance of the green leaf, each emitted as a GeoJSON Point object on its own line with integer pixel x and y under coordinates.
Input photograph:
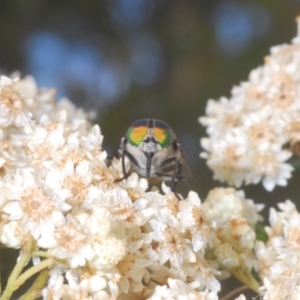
{"type": "Point", "coordinates": [261, 234]}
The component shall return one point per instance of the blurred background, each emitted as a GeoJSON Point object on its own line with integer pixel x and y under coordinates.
{"type": "Point", "coordinates": [132, 59]}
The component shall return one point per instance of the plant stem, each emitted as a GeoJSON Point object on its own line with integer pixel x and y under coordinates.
{"type": "Point", "coordinates": [35, 269]}
{"type": "Point", "coordinates": [35, 290]}
{"type": "Point", "coordinates": [25, 256]}
{"type": "Point", "coordinates": [236, 291]}
{"type": "Point", "coordinates": [22, 261]}
{"type": "Point", "coordinates": [41, 254]}
{"type": "Point", "coordinates": [247, 278]}
{"type": "Point", "coordinates": [14, 285]}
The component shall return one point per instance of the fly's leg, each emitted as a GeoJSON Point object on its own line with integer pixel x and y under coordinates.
{"type": "Point", "coordinates": [167, 167]}
{"type": "Point", "coordinates": [176, 170]}
{"type": "Point", "coordinates": [177, 167]}
{"type": "Point", "coordinates": [173, 190]}
{"type": "Point", "coordinates": [185, 182]}
{"type": "Point", "coordinates": [125, 173]}
{"type": "Point", "coordinates": [178, 178]}
{"type": "Point", "coordinates": [174, 176]}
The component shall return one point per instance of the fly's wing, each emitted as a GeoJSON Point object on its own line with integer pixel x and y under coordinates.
{"type": "Point", "coordinates": [185, 171]}
{"type": "Point", "coordinates": [175, 163]}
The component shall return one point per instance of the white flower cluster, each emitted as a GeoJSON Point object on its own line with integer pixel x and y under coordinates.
{"type": "Point", "coordinates": [248, 132]}
{"type": "Point", "coordinates": [232, 218]}
{"type": "Point", "coordinates": [278, 259]}
{"type": "Point", "coordinates": [92, 236]}
{"type": "Point", "coordinates": [98, 238]}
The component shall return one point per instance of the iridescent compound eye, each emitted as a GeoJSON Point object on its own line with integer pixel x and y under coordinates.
{"type": "Point", "coordinates": [163, 133]}
{"type": "Point", "coordinates": [137, 132]}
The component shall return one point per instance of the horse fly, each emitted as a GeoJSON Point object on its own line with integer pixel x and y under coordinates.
{"type": "Point", "coordinates": [155, 153]}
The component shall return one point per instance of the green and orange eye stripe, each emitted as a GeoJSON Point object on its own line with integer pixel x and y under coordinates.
{"type": "Point", "coordinates": [163, 133]}
{"type": "Point", "coordinates": [137, 132]}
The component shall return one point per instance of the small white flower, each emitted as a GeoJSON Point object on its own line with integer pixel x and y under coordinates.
{"type": "Point", "coordinates": [193, 218]}
{"type": "Point", "coordinates": [12, 235]}
{"type": "Point", "coordinates": [179, 290]}
{"type": "Point", "coordinates": [203, 273]}
{"type": "Point", "coordinates": [227, 256]}
{"type": "Point", "coordinates": [238, 234]}
{"type": "Point", "coordinates": [108, 253]}
{"type": "Point", "coordinates": [223, 204]}
{"type": "Point", "coordinates": [172, 245]}
{"type": "Point", "coordinates": [67, 241]}
{"type": "Point", "coordinates": [99, 223]}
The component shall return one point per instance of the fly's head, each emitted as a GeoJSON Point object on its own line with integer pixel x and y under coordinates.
{"type": "Point", "coordinates": [150, 136]}
{"type": "Point", "coordinates": [154, 152]}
